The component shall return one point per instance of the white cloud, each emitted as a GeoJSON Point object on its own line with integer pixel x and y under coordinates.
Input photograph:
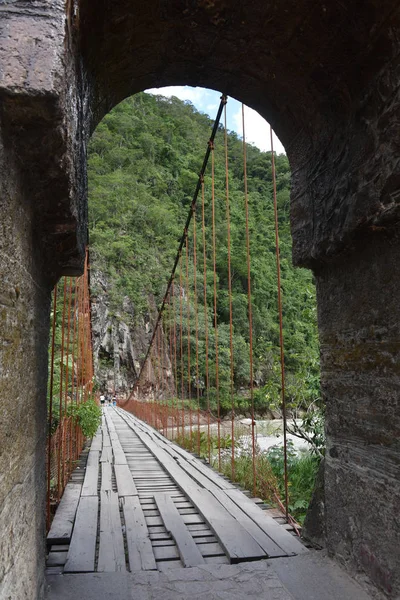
{"type": "Point", "coordinates": [257, 130]}
{"type": "Point", "coordinates": [183, 92]}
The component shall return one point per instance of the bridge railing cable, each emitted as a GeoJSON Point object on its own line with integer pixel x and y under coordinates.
{"type": "Point", "coordinates": [70, 381]}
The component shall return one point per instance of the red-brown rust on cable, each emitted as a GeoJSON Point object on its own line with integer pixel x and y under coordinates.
{"type": "Point", "coordinates": [280, 325]}
{"type": "Point", "coordinates": [175, 362]}
{"type": "Point", "coordinates": [196, 326]}
{"type": "Point", "coordinates": [73, 425]}
{"type": "Point", "coordinates": [61, 417]}
{"type": "Point", "coordinates": [65, 471]}
{"type": "Point", "coordinates": [228, 226]}
{"type": "Point", "coordinates": [188, 342]}
{"type": "Point", "coordinates": [181, 342]}
{"type": "Point", "coordinates": [282, 355]}
{"type": "Point", "coordinates": [214, 246]}
{"type": "Point", "coordinates": [207, 382]}
{"type": "Point", "coordinates": [50, 420]}
{"type": "Point", "coordinates": [170, 403]}
{"type": "Point", "coordinates": [250, 316]}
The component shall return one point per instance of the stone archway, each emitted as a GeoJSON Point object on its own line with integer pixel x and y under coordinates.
{"type": "Point", "coordinates": [326, 75]}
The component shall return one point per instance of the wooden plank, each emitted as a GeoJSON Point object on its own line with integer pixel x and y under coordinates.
{"type": "Point", "coordinates": [187, 519]}
{"type": "Point", "coordinates": [173, 523]}
{"type": "Point", "coordinates": [238, 544]}
{"type": "Point", "coordinates": [264, 540]}
{"type": "Point", "coordinates": [97, 441]}
{"type": "Point", "coordinates": [106, 477]}
{"type": "Point", "coordinates": [106, 454]}
{"type": "Point", "coordinates": [106, 438]}
{"type": "Point", "coordinates": [81, 553]}
{"type": "Point", "coordinates": [89, 487]}
{"type": "Point", "coordinates": [166, 552]}
{"type": "Point", "coordinates": [111, 544]}
{"type": "Point", "coordinates": [110, 424]}
{"type": "Point", "coordinates": [54, 570]}
{"type": "Point", "coordinates": [202, 527]}
{"type": "Point", "coordinates": [59, 548]}
{"type": "Point", "coordinates": [61, 527]}
{"type": "Point", "coordinates": [204, 539]}
{"type": "Point", "coordinates": [290, 544]}
{"type": "Point", "coordinates": [210, 549]}
{"type": "Point", "coordinates": [56, 559]}
{"type": "Point", "coordinates": [216, 560]}
{"type": "Point", "coordinates": [119, 454]}
{"type": "Point", "coordinates": [140, 551]}
{"type": "Point", "coordinates": [161, 543]}
{"type": "Point", "coordinates": [125, 484]}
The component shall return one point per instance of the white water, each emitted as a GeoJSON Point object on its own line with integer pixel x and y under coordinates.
{"type": "Point", "coordinates": [268, 433]}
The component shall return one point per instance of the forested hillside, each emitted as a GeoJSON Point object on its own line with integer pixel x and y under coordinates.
{"type": "Point", "coordinates": [144, 160]}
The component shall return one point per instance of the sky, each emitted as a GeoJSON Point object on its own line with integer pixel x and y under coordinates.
{"type": "Point", "coordinates": [207, 101]}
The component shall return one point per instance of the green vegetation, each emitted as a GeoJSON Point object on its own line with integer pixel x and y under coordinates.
{"type": "Point", "coordinates": [144, 160]}
{"type": "Point", "coordinates": [87, 415]}
{"type": "Point", "coordinates": [63, 371]}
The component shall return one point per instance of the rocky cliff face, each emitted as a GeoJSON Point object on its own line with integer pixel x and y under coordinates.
{"type": "Point", "coordinates": [120, 338]}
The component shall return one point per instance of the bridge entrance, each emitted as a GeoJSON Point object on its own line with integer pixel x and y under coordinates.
{"type": "Point", "coordinates": [325, 76]}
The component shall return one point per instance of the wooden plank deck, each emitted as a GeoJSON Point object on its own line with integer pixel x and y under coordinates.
{"type": "Point", "coordinates": [175, 525]}
{"type": "Point", "coordinates": [90, 482]}
{"type": "Point", "coordinates": [81, 553]}
{"type": "Point", "coordinates": [270, 535]}
{"type": "Point", "coordinates": [238, 536]}
{"type": "Point", "coordinates": [141, 555]}
{"type": "Point", "coordinates": [61, 527]}
{"type": "Point", "coordinates": [111, 543]}
{"type": "Point", "coordinates": [147, 504]}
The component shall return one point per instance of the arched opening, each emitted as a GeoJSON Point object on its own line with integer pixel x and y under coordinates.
{"type": "Point", "coordinates": [144, 160]}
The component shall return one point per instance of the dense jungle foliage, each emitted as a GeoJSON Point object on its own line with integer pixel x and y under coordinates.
{"type": "Point", "coordinates": [144, 160]}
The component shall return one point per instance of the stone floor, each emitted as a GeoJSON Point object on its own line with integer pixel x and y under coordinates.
{"type": "Point", "coordinates": [312, 576]}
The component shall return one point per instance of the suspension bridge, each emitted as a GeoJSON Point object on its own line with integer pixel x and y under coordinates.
{"type": "Point", "coordinates": [134, 500]}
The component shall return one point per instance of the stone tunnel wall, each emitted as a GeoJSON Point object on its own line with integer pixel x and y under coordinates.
{"type": "Point", "coordinates": [41, 224]}
{"type": "Point", "coordinates": [24, 306]}
{"type": "Point", "coordinates": [359, 325]}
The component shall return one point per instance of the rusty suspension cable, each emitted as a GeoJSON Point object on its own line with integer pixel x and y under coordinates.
{"type": "Point", "coordinates": [207, 382]}
{"type": "Point", "coordinates": [228, 226]}
{"type": "Point", "coordinates": [282, 355]}
{"type": "Point", "coordinates": [188, 219]}
{"type": "Point", "coordinates": [196, 327]}
{"type": "Point", "coordinates": [214, 254]}
{"type": "Point", "coordinates": [181, 342]}
{"type": "Point", "coordinates": [250, 316]}
{"type": "Point", "coordinates": [61, 415]}
{"type": "Point", "coordinates": [50, 421]}
{"type": "Point", "coordinates": [189, 379]}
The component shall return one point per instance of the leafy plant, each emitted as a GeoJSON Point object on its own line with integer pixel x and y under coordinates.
{"type": "Point", "coordinates": [87, 415]}
{"type": "Point", "coordinates": [302, 471]}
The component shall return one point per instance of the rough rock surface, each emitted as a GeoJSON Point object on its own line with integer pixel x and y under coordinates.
{"type": "Point", "coordinates": [24, 330]}
{"type": "Point", "coordinates": [360, 356]}
{"type": "Point", "coordinates": [118, 348]}
{"type": "Point", "coordinates": [314, 524]}
{"type": "Point", "coordinates": [120, 342]}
